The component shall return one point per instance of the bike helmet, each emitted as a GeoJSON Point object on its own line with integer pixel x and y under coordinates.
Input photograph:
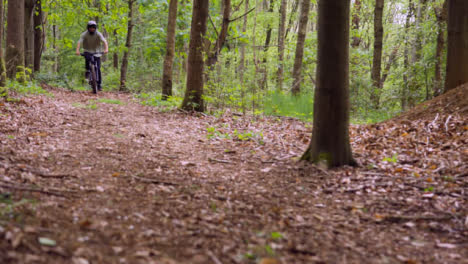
{"type": "Point", "coordinates": [91, 24]}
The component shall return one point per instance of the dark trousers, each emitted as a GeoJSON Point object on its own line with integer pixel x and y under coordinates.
{"type": "Point", "coordinates": [98, 72]}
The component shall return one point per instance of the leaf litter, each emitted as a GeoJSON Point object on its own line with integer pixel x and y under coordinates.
{"type": "Point", "coordinates": [180, 188]}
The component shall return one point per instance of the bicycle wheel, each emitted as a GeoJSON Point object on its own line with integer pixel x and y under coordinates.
{"type": "Point", "coordinates": [93, 79]}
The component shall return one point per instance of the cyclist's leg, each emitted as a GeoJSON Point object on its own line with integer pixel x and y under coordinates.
{"type": "Point", "coordinates": [87, 67]}
{"type": "Point", "coordinates": [98, 73]}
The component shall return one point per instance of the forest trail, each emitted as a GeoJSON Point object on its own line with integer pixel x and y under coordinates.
{"type": "Point", "coordinates": [106, 180]}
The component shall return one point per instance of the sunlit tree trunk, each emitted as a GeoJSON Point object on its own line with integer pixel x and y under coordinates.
{"type": "Point", "coordinates": [457, 50]}
{"type": "Point", "coordinates": [281, 33]}
{"type": "Point", "coordinates": [15, 38]}
{"type": "Point", "coordinates": [301, 36]}
{"type": "Point", "coordinates": [193, 100]}
{"type": "Point", "coordinates": [128, 44]}
{"type": "Point", "coordinates": [330, 134]}
{"type": "Point", "coordinates": [170, 50]}
{"type": "Point", "coordinates": [377, 58]}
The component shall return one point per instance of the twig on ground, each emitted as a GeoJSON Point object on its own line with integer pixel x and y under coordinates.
{"type": "Point", "coordinates": [213, 257]}
{"type": "Point", "coordinates": [154, 181]}
{"type": "Point", "coordinates": [31, 189]}
{"type": "Point", "coordinates": [219, 161]}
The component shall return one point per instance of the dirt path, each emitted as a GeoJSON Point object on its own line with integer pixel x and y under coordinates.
{"type": "Point", "coordinates": [111, 181]}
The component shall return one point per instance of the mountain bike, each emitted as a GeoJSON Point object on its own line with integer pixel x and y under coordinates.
{"type": "Point", "coordinates": [94, 76]}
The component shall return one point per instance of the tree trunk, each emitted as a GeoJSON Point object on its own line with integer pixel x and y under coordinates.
{"type": "Point", "coordinates": [38, 35]}
{"type": "Point", "coordinates": [377, 59]}
{"type": "Point", "coordinates": [457, 49]}
{"type": "Point", "coordinates": [115, 61]}
{"type": "Point", "coordinates": [297, 71]}
{"type": "Point", "coordinates": [441, 15]}
{"type": "Point", "coordinates": [405, 88]}
{"type": "Point", "coordinates": [291, 20]}
{"type": "Point", "coordinates": [128, 44]}
{"type": "Point", "coordinates": [242, 50]}
{"type": "Point", "coordinates": [268, 33]}
{"type": "Point", "coordinates": [3, 91]}
{"type": "Point", "coordinates": [15, 38]}
{"type": "Point", "coordinates": [221, 40]}
{"type": "Point", "coordinates": [29, 10]}
{"type": "Point", "coordinates": [170, 50]}
{"type": "Point", "coordinates": [330, 135]}
{"type": "Point", "coordinates": [356, 23]}
{"type": "Point", "coordinates": [193, 100]}
{"type": "Point", "coordinates": [281, 32]}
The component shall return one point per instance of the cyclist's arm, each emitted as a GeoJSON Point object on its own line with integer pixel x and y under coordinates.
{"type": "Point", "coordinates": [106, 47]}
{"type": "Point", "coordinates": [78, 48]}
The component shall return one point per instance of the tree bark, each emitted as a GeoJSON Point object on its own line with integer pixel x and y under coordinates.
{"type": "Point", "coordinates": [268, 33]}
{"type": "Point", "coordinates": [301, 36]}
{"type": "Point", "coordinates": [15, 38]}
{"type": "Point", "coordinates": [38, 35]}
{"type": "Point", "coordinates": [242, 49]}
{"type": "Point", "coordinates": [281, 33]}
{"type": "Point", "coordinates": [291, 20]}
{"type": "Point", "coordinates": [170, 50]}
{"type": "Point", "coordinates": [221, 40]}
{"type": "Point", "coordinates": [405, 88]}
{"type": "Point", "coordinates": [193, 100]}
{"type": "Point", "coordinates": [377, 58]}
{"type": "Point", "coordinates": [3, 91]}
{"type": "Point", "coordinates": [330, 135]}
{"type": "Point", "coordinates": [356, 23]}
{"type": "Point", "coordinates": [128, 44]}
{"type": "Point", "coordinates": [457, 50]}
{"type": "Point", "coordinates": [29, 10]}
{"type": "Point", "coordinates": [441, 15]}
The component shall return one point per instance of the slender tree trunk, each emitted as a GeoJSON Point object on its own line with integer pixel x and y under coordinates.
{"type": "Point", "coordinates": [193, 100]}
{"type": "Point", "coordinates": [291, 20]}
{"type": "Point", "coordinates": [38, 35]}
{"type": "Point", "coordinates": [15, 38]}
{"type": "Point", "coordinates": [405, 88]}
{"type": "Point", "coordinates": [390, 62]}
{"type": "Point", "coordinates": [377, 59]}
{"type": "Point", "coordinates": [297, 71]}
{"type": "Point", "coordinates": [170, 50]}
{"type": "Point", "coordinates": [281, 33]}
{"type": "Point", "coordinates": [242, 49]}
{"type": "Point", "coordinates": [268, 32]}
{"type": "Point", "coordinates": [3, 91]}
{"type": "Point", "coordinates": [29, 10]}
{"type": "Point", "coordinates": [441, 15]}
{"type": "Point", "coordinates": [115, 60]}
{"type": "Point", "coordinates": [457, 50]}
{"type": "Point", "coordinates": [128, 44]}
{"type": "Point", "coordinates": [356, 23]}
{"type": "Point", "coordinates": [213, 56]}
{"type": "Point", "coordinates": [330, 135]}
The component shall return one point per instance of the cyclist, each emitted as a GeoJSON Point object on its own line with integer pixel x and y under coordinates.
{"type": "Point", "coordinates": [92, 41]}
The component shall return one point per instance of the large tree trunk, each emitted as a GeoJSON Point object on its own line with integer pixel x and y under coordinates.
{"type": "Point", "coordinates": [297, 71]}
{"type": "Point", "coordinates": [330, 135]}
{"type": "Point", "coordinates": [29, 10]}
{"type": "Point", "coordinates": [457, 50]}
{"type": "Point", "coordinates": [170, 50]}
{"type": "Point", "coordinates": [441, 15]}
{"type": "Point", "coordinates": [356, 23]}
{"type": "Point", "coordinates": [377, 59]}
{"type": "Point", "coordinates": [281, 33]}
{"type": "Point", "coordinates": [38, 35]}
{"type": "Point", "coordinates": [193, 100]}
{"type": "Point", "coordinates": [15, 38]}
{"type": "Point", "coordinates": [128, 44]}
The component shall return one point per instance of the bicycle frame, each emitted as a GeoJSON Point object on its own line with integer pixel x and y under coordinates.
{"type": "Point", "coordinates": [94, 76]}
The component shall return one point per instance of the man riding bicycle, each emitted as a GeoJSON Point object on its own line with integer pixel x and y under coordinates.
{"type": "Point", "coordinates": [92, 41]}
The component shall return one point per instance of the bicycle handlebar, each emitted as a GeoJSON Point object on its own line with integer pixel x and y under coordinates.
{"type": "Point", "coordinates": [92, 53]}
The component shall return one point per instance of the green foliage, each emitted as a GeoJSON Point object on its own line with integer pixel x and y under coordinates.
{"type": "Point", "coordinates": [393, 159]}
{"type": "Point", "coordinates": [282, 104]}
{"type": "Point", "coordinates": [110, 101]}
{"type": "Point", "coordinates": [154, 99]}
{"type": "Point", "coordinates": [27, 88]}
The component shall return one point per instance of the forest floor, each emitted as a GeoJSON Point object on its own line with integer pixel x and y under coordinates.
{"type": "Point", "coordinates": [103, 179]}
